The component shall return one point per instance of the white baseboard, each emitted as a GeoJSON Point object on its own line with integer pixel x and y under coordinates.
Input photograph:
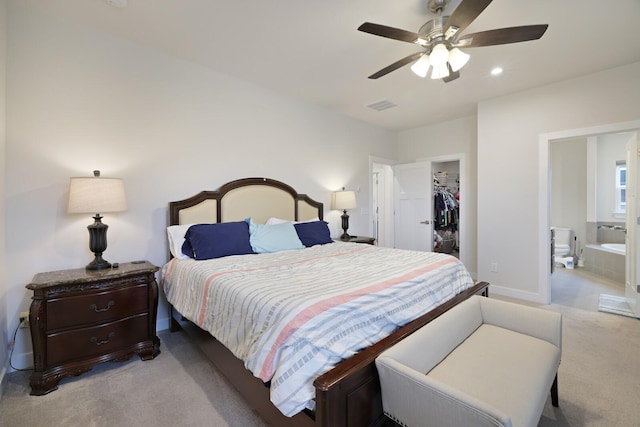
{"type": "Point", "coordinates": [162, 324]}
{"type": "Point", "coordinates": [515, 293]}
{"type": "Point", "coordinates": [21, 361]}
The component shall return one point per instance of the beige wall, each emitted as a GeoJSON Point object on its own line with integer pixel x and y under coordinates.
{"type": "Point", "coordinates": [80, 100]}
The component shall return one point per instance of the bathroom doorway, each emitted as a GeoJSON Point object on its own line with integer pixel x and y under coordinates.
{"type": "Point", "coordinates": [582, 197]}
{"type": "Point", "coordinates": [573, 216]}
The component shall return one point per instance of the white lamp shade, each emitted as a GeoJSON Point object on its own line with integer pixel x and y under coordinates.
{"type": "Point", "coordinates": [96, 195]}
{"type": "Point", "coordinates": [440, 72]}
{"type": "Point", "coordinates": [457, 58]}
{"type": "Point", "coordinates": [439, 55]}
{"type": "Point", "coordinates": [421, 66]}
{"type": "Point", "coordinates": [343, 200]}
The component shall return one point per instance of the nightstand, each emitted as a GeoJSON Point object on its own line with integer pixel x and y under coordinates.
{"type": "Point", "coordinates": [360, 239]}
{"type": "Point", "coordinates": [80, 318]}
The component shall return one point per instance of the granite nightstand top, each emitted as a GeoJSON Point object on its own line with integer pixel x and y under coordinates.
{"type": "Point", "coordinates": [82, 275]}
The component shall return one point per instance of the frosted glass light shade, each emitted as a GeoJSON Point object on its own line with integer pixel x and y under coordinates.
{"type": "Point", "coordinates": [343, 200]}
{"type": "Point", "coordinates": [440, 72]}
{"type": "Point", "coordinates": [439, 55]}
{"type": "Point", "coordinates": [96, 195]}
{"type": "Point", "coordinates": [457, 58]}
{"type": "Point", "coordinates": [421, 66]}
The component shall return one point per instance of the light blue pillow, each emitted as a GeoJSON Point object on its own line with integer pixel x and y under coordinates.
{"type": "Point", "coordinates": [273, 237]}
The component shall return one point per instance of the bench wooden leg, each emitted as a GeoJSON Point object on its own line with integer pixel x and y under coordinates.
{"type": "Point", "coordinates": [554, 392]}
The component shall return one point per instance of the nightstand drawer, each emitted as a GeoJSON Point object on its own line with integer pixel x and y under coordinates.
{"type": "Point", "coordinates": [86, 342]}
{"type": "Point", "coordinates": [97, 307]}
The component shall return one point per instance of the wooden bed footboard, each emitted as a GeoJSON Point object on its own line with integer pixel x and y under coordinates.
{"type": "Point", "coordinates": [349, 395]}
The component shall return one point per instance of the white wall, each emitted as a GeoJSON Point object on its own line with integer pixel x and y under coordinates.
{"type": "Point", "coordinates": [569, 187]}
{"type": "Point", "coordinates": [4, 330]}
{"type": "Point", "coordinates": [509, 129]}
{"type": "Point", "coordinates": [611, 148]}
{"type": "Point", "coordinates": [79, 100]}
{"type": "Point", "coordinates": [452, 137]}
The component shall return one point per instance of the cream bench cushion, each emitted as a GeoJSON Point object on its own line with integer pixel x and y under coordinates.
{"type": "Point", "coordinates": [483, 363]}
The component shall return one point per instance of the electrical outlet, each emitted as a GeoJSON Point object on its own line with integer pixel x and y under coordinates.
{"type": "Point", "coordinates": [24, 319]}
{"type": "Point", "coordinates": [494, 267]}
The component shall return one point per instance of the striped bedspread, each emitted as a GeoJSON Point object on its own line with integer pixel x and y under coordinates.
{"type": "Point", "coordinates": [293, 315]}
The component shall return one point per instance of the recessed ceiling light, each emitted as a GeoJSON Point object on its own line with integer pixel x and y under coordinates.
{"type": "Point", "coordinates": [496, 71]}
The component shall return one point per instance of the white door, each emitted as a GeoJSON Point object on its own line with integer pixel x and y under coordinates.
{"type": "Point", "coordinates": [413, 184]}
{"type": "Point", "coordinates": [632, 236]}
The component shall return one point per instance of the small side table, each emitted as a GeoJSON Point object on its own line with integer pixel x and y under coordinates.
{"type": "Point", "coordinates": [360, 239]}
{"type": "Point", "coordinates": [80, 318]}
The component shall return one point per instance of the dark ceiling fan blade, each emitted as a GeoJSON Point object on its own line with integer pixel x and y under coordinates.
{"type": "Point", "coordinates": [502, 36]}
{"type": "Point", "coordinates": [390, 32]}
{"type": "Point", "coordinates": [452, 75]}
{"type": "Point", "coordinates": [465, 13]}
{"type": "Point", "coordinates": [401, 63]}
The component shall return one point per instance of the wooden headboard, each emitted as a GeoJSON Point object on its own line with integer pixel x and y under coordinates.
{"type": "Point", "coordinates": [259, 198]}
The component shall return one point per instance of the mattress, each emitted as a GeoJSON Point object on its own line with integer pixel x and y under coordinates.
{"type": "Point", "coordinates": [292, 315]}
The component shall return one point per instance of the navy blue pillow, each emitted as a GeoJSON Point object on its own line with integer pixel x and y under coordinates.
{"type": "Point", "coordinates": [206, 241]}
{"type": "Point", "coordinates": [313, 233]}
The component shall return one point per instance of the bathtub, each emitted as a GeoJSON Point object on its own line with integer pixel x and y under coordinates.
{"type": "Point", "coordinates": [606, 260]}
{"type": "Point", "coordinates": [616, 248]}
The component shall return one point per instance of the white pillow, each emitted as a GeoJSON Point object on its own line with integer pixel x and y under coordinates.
{"type": "Point", "coordinates": [175, 234]}
{"type": "Point", "coordinates": [272, 221]}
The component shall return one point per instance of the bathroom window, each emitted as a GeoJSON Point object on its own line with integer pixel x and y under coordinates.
{"type": "Point", "coordinates": [621, 187]}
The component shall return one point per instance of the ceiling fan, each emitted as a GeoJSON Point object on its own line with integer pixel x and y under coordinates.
{"type": "Point", "coordinates": [441, 39]}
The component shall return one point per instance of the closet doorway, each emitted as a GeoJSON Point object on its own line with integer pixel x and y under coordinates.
{"type": "Point", "coordinates": [383, 197]}
{"type": "Point", "coordinates": [457, 183]}
{"type": "Point", "coordinates": [446, 200]}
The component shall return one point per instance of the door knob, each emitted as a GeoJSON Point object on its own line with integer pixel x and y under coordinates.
{"type": "Point", "coordinates": [426, 221]}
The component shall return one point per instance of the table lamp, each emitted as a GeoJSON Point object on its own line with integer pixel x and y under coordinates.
{"type": "Point", "coordinates": [343, 200]}
{"type": "Point", "coordinates": [97, 195]}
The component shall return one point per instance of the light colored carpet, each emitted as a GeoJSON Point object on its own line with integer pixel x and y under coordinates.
{"type": "Point", "coordinates": [615, 305]}
{"type": "Point", "coordinates": [599, 375]}
{"type": "Point", "coordinates": [178, 388]}
{"type": "Point", "coordinates": [598, 380]}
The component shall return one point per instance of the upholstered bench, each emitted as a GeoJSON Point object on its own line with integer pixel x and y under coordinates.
{"type": "Point", "coordinates": [485, 362]}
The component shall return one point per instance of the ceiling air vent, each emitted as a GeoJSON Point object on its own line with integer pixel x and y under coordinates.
{"type": "Point", "coordinates": [381, 105]}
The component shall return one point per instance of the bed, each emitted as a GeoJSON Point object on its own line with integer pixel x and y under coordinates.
{"type": "Point", "coordinates": [336, 382]}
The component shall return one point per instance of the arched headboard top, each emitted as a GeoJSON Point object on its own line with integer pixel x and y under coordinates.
{"type": "Point", "coordinates": [259, 198]}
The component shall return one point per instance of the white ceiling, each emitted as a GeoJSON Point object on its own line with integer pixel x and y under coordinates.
{"type": "Point", "coordinates": [312, 50]}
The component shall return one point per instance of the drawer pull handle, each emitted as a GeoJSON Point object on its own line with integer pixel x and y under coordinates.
{"type": "Point", "coordinates": [96, 342]}
{"type": "Point", "coordinates": [99, 310]}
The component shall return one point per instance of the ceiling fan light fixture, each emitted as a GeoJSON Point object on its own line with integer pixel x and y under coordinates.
{"type": "Point", "coordinates": [439, 55]}
{"type": "Point", "coordinates": [441, 36]}
{"type": "Point", "coordinates": [440, 72]}
{"type": "Point", "coordinates": [421, 66]}
{"type": "Point", "coordinates": [457, 58]}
